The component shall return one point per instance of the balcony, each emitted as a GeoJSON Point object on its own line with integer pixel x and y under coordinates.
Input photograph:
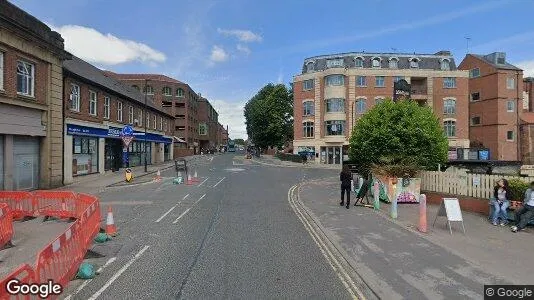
{"type": "Point", "coordinates": [419, 88]}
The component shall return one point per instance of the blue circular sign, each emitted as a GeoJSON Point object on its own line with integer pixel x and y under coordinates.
{"type": "Point", "coordinates": [127, 130]}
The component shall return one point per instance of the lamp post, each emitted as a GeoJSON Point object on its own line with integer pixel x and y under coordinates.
{"type": "Point", "coordinates": [146, 86]}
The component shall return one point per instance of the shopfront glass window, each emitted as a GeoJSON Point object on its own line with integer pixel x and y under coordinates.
{"type": "Point", "coordinates": [84, 156]}
{"type": "Point", "coordinates": [1, 162]}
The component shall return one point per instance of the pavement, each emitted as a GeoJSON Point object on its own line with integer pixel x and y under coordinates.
{"type": "Point", "coordinates": [270, 160]}
{"type": "Point", "coordinates": [398, 262]}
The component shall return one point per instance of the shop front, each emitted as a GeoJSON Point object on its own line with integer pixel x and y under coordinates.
{"type": "Point", "coordinates": [332, 155]}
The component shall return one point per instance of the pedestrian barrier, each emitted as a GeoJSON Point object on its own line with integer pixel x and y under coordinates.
{"type": "Point", "coordinates": [59, 260]}
{"type": "Point", "coordinates": [6, 225]}
{"type": "Point", "coordinates": [20, 203]}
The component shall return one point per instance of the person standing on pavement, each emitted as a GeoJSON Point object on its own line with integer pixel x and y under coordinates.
{"type": "Point", "coordinates": [526, 213]}
{"type": "Point", "coordinates": [346, 180]}
{"type": "Point", "coordinates": [501, 202]}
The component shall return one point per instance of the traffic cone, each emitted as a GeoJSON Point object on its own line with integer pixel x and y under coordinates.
{"type": "Point", "coordinates": [111, 230]}
{"type": "Point", "coordinates": [195, 177]}
{"type": "Point", "coordinates": [189, 180]}
{"type": "Point", "coordinates": [158, 176]}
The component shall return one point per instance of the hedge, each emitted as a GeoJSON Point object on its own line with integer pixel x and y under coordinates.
{"type": "Point", "coordinates": [289, 157]}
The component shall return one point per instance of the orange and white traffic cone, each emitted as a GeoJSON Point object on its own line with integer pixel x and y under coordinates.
{"type": "Point", "coordinates": [189, 179]}
{"type": "Point", "coordinates": [111, 230]}
{"type": "Point", "coordinates": [158, 176]}
{"type": "Point", "coordinates": [195, 177]}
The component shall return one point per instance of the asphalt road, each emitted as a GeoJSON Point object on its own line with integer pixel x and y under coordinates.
{"type": "Point", "coordinates": [232, 236]}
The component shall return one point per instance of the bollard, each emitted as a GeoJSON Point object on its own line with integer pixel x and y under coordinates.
{"type": "Point", "coordinates": [422, 213]}
{"type": "Point", "coordinates": [394, 203]}
{"type": "Point", "coordinates": [376, 195]}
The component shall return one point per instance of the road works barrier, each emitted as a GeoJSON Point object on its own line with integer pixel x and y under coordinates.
{"type": "Point", "coordinates": [6, 225]}
{"type": "Point", "coordinates": [59, 260]}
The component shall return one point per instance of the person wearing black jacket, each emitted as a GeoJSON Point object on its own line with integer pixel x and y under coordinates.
{"type": "Point", "coordinates": [346, 180]}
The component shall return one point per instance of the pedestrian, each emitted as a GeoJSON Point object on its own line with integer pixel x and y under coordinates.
{"type": "Point", "coordinates": [501, 201]}
{"type": "Point", "coordinates": [525, 214]}
{"type": "Point", "coordinates": [346, 180]}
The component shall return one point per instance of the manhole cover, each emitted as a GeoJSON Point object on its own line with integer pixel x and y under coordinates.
{"type": "Point", "coordinates": [235, 169]}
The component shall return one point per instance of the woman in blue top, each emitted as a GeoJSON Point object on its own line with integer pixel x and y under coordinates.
{"type": "Point", "coordinates": [501, 202]}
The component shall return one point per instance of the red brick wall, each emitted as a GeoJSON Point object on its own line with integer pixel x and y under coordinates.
{"type": "Point", "coordinates": [299, 95]}
{"type": "Point", "coordinates": [182, 152]}
{"type": "Point", "coordinates": [470, 204]}
{"type": "Point", "coordinates": [461, 94]}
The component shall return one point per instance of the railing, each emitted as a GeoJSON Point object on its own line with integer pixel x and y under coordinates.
{"type": "Point", "coordinates": [6, 225]}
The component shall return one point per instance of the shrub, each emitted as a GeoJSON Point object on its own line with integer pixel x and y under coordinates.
{"type": "Point", "coordinates": [518, 189]}
{"type": "Point", "coordinates": [289, 157]}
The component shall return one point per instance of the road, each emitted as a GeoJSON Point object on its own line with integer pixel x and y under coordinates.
{"type": "Point", "coordinates": [232, 236]}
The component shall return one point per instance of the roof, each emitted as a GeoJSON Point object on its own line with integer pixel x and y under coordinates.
{"type": "Point", "coordinates": [88, 72]}
{"type": "Point", "coordinates": [152, 77]}
{"type": "Point", "coordinates": [488, 59]}
{"type": "Point", "coordinates": [527, 117]}
{"type": "Point", "coordinates": [426, 61]}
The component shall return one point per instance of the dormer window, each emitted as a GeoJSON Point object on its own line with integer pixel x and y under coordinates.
{"type": "Point", "coordinates": [376, 62]}
{"type": "Point", "coordinates": [309, 66]}
{"type": "Point", "coordinates": [414, 63]}
{"type": "Point", "coordinates": [334, 63]}
{"type": "Point", "coordinates": [358, 62]}
{"type": "Point", "coordinates": [445, 65]}
{"type": "Point", "coordinates": [393, 63]}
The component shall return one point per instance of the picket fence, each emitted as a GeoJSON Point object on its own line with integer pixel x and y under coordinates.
{"type": "Point", "coordinates": [460, 183]}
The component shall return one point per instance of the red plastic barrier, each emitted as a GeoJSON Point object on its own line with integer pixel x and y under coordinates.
{"type": "Point", "coordinates": [24, 274]}
{"type": "Point", "coordinates": [20, 203]}
{"type": "Point", "coordinates": [6, 224]}
{"type": "Point", "coordinates": [61, 204]}
{"type": "Point", "coordinates": [89, 218]}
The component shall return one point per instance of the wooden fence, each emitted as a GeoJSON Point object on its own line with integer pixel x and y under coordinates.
{"type": "Point", "coordinates": [460, 183]}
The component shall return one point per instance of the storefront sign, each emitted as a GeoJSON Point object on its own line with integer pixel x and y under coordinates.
{"type": "Point", "coordinates": [483, 154]}
{"type": "Point", "coordinates": [112, 132]}
{"type": "Point", "coordinates": [401, 89]}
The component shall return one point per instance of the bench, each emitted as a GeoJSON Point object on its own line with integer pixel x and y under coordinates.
{"type": "Point", "coordinates": [514, 205]}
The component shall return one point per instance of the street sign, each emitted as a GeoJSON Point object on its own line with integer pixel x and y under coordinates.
{"type": "Point", "coordinates": [126, 140]}
{"type": "Point", "coordinates": [127, 131]}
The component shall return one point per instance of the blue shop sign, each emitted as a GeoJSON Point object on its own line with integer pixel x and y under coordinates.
{"type": "Point", "coordinates": [113, 132]}
{"type": "Point", "coordinates": [483, 154]}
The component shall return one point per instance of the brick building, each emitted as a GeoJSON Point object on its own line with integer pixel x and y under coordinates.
{"type": "Point", "coordinates": [96, 108]}
{"type": "Point", "coordinates": [496, 93]}
{"type": "Point", "coordinates": [178, 99]}
{"type": "Point", "coordinates": [222, 136]}
{"type": "Point", "coordinates": [527, 122]}
{"type": "Point", "coordinates": [31, 56]}
{"type": "Point", "coordinates": [333, 91]}
{"type": "Point", "coordinates": [208, 124]}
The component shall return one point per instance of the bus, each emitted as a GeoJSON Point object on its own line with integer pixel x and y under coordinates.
{"type": "Point", "coordinates": [231, 146]}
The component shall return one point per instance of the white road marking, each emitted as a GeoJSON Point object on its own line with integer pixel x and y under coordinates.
{"type": "Point", "coordinates": [114, 277]}
{"type": "Point", "coordinates": [203, 181]}
{"type": "Point", "coordinates": [86, 282]}
{"type": "Point", "coordinates": [172, 208]}
{"type": "Point", "coordinates": [187, 210]}
{"type": "Point", "coordinates": [185, 197]}
{"type": "Point", "coordinates": [219, 182]}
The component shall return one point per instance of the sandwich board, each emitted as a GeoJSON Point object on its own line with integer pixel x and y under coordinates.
{"type": "Point", "coordinates": [450, 208]}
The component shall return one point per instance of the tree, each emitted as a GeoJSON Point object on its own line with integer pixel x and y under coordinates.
{"type": "Point", "coordinates": [269, 116]}
{"type": "Point", "coordinates": [398, 138]}
{"type": "Point", "coordinates": [239, 141]}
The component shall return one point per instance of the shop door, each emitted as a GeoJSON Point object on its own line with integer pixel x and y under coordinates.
{"type": "Point", "coordinates": [337, 155]}
{"type": "Point", "coordinates": [26, 163]}
{"type": "Point", "coordinates": [113, 154]}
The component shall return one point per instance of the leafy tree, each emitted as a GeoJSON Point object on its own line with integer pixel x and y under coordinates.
{"type": "Point", "coordinates": [269, 116]}
{"type": "Point", "coordinates": [398, 138]}
{"type": "Point", "coordinates": [239, 141]}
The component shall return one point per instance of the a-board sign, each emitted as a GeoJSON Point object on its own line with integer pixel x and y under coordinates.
{"type": "Point", "coordinates": [128, 174]}
{"type": "Point", "coordinates": [450, 208]}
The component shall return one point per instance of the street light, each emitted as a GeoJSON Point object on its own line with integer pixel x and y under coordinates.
{"type": "Point", "coordinates": [146, 90]}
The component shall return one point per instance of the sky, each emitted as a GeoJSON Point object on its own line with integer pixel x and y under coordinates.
{"type": "Point", "coordinates": [228, 50]}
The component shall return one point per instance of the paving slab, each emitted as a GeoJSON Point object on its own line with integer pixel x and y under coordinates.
{"type": "Point", "coordinates": [29, 238]}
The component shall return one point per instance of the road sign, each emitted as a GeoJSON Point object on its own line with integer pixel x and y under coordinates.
{"type": "Point", "coordinates": [126, 140]}
{"type": "Point", "coordinates": [127, 130]}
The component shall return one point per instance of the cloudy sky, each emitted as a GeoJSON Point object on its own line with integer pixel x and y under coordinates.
{"type": "Point", "coordinates": [227, 50]}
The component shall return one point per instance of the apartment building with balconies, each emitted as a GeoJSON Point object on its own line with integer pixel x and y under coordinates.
{"type": "Point", "coordinates": [334, 91]}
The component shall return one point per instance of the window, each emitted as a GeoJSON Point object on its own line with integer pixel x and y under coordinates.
{"type": "Point", "coordinates": [376, 62]}
{"type": "Point", "coordinates": [149, 90]}
{"type": "Point", "coordinates": [414, 63]}
{"type": "Point", "coordinates": [179, 92]}
{"type": "Point", "coordinates": [107, 102]}
{"type": "Point", "coordinates": [510, 135]}
{"type": "Point", "coordinates": [202, 129]}
{"type": "Point", "coordinates": [119, 111]}
{"type": "Point", "coordinates": [74, 97]}
{"type": "Point", "coordinates": [136, 87]}
{"type": "Point", "coordinates": [335, 105]}
{"type": "Point", "coordinates": [450, 128]}
{"type": "Point", "coordinates": [360, 106]}
{"type": "Point", "coordinates": [85, 154]}
{"type": "Point", "coordinates": [140, 116]}
{"type": "Point", "coordinates": [475, 121]}
{"type": "Point", "coordinates": [360, 81]}
{"type": "Point", "coordinates": [167, 91]}
{"type": "Point", "coordinates": [510, 83]}
{"type": "Point", "coordinates": [1, 72]}
{"type": "Point", "coordinates": [308, 108]}
{"type": "Point", "coordinates": [307, 129]}
{"type": "Point", "coordinates": [160, 123]}
{"type": "Point", "coordinates": [473, 73]}
{"type": "Point", "coordinates": [397, 78]}
{"type": "Point", "coordinates": [379, 100]}
{"type": "Point", "coordinates": [510, 106]}
{"type": "Point", "coordinates": [449, 106]}
{"type": "Point", "coordinates": [335, 127]}
{"type": "Point", "coordinates": [147, 119]}
{"type": "Point", "coordinates": [25, 78]}
{"type": "Point", "coordinates": [165, 126]}
{"type": "Point", "coordinates": [154, 122]}
{"type": "Point", "coordinates": [393, 63]}
{"type": "Point", "coordinates": [445, 65]}
{"type": "Point", "coordinates": [92, 103]}
{"type": "Point", "coordinates": [380, 81]}
{"type": "Point", "coordinates": [475, 96]}
{"type": "Point", "coordinates": [334, 63]}
{"type": "Point", "coordinates": [449, 82]}
{"type": "Point", "coordinates": [130, 114]}
{"type": "Point", "coordinates": [358, 62]}
{"type": "Point", "coordinates": [307, 84]}
{"type": "Point", "coordinates": [309, 67]}
{"type": "Point", "coordinates": [335, 80]}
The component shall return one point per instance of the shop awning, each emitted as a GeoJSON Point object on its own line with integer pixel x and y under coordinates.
{"type": "Point", "coordinates": [179, 140]}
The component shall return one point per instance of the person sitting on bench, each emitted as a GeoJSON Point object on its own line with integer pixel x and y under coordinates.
{"type": "Point", "coordinates": [526, 212]}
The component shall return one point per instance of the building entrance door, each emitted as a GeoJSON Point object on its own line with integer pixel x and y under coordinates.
{"type": "Point", "coordinates": [112, 154]}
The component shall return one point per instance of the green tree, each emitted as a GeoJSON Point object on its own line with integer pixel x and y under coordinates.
{"type": "Point", "coordinates": [398, 138]}
{"type": "Point", "coordinates": [239, 141]}
{"type": "Point", "coordinates": [269, 116]}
